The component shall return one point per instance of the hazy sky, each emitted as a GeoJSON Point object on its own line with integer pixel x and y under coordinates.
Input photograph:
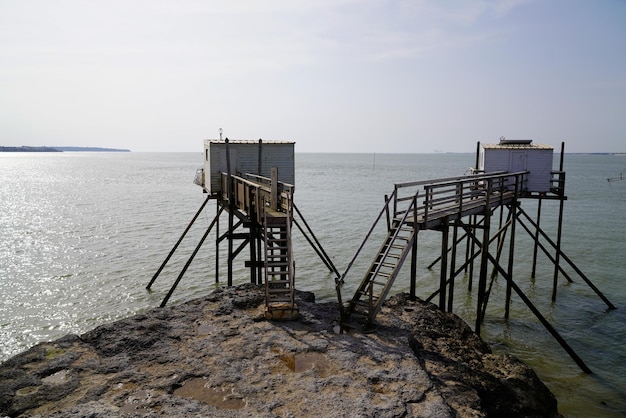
{"type": "Point", "coordinates": [331, 75]}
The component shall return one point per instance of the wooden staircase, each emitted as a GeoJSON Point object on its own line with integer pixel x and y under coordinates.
{"type": "Point", "coordinates": [361, 311]}
{"type": "Point", "coordinates": [279, 267]}
{"type": "Point", "coordinates": [440, 199]}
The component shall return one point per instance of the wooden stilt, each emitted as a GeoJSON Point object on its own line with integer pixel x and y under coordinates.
{"type": "Point", "coordinates": [557, 257]}
{"type": "Point", "coordinates": [177, 243]}
{"type": "Point", "coordinates": [470, 276]}
{"type": "Point", "coordinates": [455, 232]}
{"type": "Point", "coordinates": [217, 243]}
{"type": "Point", "coordinates": [188, 263]}
{"type": "Point", "coordinates": [507, 300]}
{"type": "Point", "coordinates": [482, 279]}
{"type": "Point", "coordinates": [558, 235]}
{"type": "Point", "coordinates": [443, 275]}
{"type": "Point", "coordinates": [536, 238]}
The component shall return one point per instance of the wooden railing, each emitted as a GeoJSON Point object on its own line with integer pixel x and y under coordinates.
{"type": "Point", "coordinates": [455, 196]}
{"type": "Point", "coordinates": [428, 202]}
{"type": "Point", "coordinates": [557, 183]}
{"type": "Point", "coordinates": [252, 194]}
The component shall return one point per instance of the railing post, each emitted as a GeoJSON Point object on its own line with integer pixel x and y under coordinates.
{"type": "Point", "coordinates": [427, 203]}
{"type": "Point", "coordinates": [274, 189]}
{"type": "Point", "coordinates": [395, 200]}
{"type": "Point", "coordinates": [413, 284]}
{"type": "Point", "coordinates": [387, 213]}
{"type": "Point", "coordinates": [459, 193]}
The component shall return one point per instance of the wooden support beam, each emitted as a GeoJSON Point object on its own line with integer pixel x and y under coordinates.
{"type": "Point", "coordinates": [484, 259]}
{"type": "Point", "coordinates": [444, 265]}
{"type": "Point", "coordinates": [173, 250]}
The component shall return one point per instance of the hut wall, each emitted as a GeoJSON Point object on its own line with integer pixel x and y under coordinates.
{"type": "Point", "coordinates": [538, 161]}
{"type": "Point", "coordinates": [244, 158]}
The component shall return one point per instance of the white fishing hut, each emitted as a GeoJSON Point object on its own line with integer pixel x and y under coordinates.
{"type": "Point", "coordinates": [516, 155]}
{"type": "Point", "coordinates": [247, 157]}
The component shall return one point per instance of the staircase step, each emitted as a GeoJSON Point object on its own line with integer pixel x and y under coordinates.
{"type": "Point", "coordinates": [279, 291]}
{"type": "Point", "coordinates": [277, 264]}
{"type": "Point", "coordinates": [280, 297]}
{"type": "Point", "coordinates": [365, 303]}
{"type": "Point", "coordinates": [273, 240]}
{"type": "Point", "coordinates": [279, 282]}
{"type": "Point", "coordinates": [282, 276]}
{"type": "Point", "coordinates": [272, 255]}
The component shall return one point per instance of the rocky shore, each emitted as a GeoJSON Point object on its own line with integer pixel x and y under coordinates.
{"type": "Point", "coordinates": [217, 356]}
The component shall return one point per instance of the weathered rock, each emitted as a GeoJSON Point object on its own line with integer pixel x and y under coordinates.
{"type": "Point", "coordinates": [218, 356]}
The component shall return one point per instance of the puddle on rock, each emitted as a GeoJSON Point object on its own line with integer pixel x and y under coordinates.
{"type": "Point", "coordinates": [303, 362]}
{"type": "Point", "coordinates": [206, 329]}
{"type": "Point", "coordinates": [200, 390]}
{"type": "Point", "coordinates": [27, 391]}
{"type": "Point", "coordinates": [137, 403]}
{"type": "Point", "coordinates": [57, 378]}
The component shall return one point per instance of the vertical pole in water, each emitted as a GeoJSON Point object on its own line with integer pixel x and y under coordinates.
{"type": "Point", "coordinates": [444, 264]}
{"type": "Point", "coordinates": [413, 284]}
{"type": "Point", "coordinates": [536, 238]}
{"type": "Point", "coordinates": [513, 215]}
{"type": "Point", "coordinates": [258, 203]}
{"type": "Point", "coordinates": [231, 207]}
{"type": "Point", "coordinates": [253, 234]}
{"type": "Point", "coordinates": [274, 200]}
{"type": "Point", "coordinates": [259, 272]}
{"type": "Point", "coordinates": [217, 242]}
{"type": "Point", "coordinates": [559, 231]}
{"type": "Point", "coordinates": [452, 266]}
{"type": "Point", "coordinates": [473, 221]}
{"type": "Point", "coordinates": [260, 159]}
{"type": "Point", "coordinates": [484, 259]}
{"type": "Point", "coordinates": [470, 241]}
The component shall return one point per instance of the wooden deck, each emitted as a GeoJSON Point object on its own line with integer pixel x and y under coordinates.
{"type": "Point", "coordinates": [419, 206]}
{"type": "Point", "coordinates": [433, 201]}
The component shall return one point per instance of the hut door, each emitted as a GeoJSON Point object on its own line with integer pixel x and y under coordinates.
{"type": "Point", "coordinates": [518, 161]}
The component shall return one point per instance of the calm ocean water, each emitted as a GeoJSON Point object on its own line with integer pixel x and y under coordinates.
{"type": "Point", "coordinates": [81, 234]}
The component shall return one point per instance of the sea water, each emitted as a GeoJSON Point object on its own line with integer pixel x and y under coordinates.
{"type": "Point", "coordinates": [82, 234]}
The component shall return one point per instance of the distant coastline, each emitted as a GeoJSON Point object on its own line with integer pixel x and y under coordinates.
{"type": "Point", "coordinates": [60, 149]}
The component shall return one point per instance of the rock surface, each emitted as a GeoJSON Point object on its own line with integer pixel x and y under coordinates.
{"type": "Point", "coordinates": [217, 356]}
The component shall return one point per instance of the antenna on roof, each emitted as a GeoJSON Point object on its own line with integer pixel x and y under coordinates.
{"type": "Point", "coordinates": [221, 133]}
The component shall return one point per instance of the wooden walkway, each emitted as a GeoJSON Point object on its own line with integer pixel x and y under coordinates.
{"type": "Point", "coordinates": [419, 206]}
{"type": "Point", "coordinates": [466, 203]}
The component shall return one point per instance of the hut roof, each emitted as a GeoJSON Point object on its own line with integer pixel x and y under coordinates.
{"type": "Point", "coordinates": [239, 141]}
{"type": "Point", "coordinates": [520, 144]}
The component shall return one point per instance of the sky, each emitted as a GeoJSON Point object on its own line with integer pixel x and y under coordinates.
{"type": "Point", "coordinates": [397, 76]}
